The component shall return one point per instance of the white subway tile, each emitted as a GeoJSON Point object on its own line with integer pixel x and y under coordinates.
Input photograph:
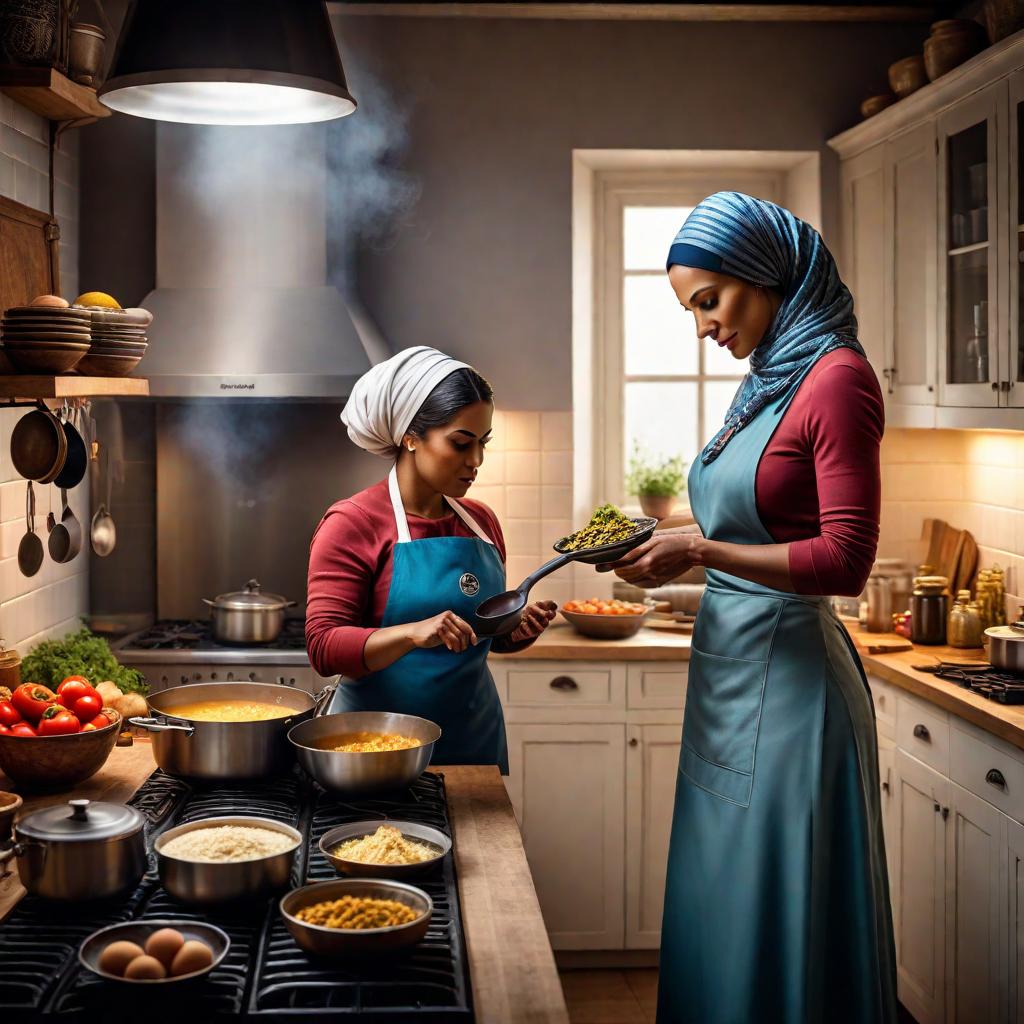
{"type": "Point", "coordinates": [30, 187]}
{"type": "Point", "coordinates": [492, 471]}
{"type": "Point", "coordinates": [522, 467]}
{"type": "Point", "coordinates": [7, 106]}
{"type": "Point", "coordinates": [492, 497]}
{"type": "Point", "coordinates": [522, 536]}
{"type": "Point", "coordinates": [556, 431]}
{"type": "Point", "coordinates": [556, 502]}
{"type": "Point", "coordinates": [552, 530]}
{"type": "Point", "coordinates": [31, 124]}
{"type": "Point", "coordinates": [522, 502]}
{"type": "Point", "coordinates": [523, 431]}
{"type": "Point", "coordinates": [556, 468]}
{"type": "Point", "coordinates": [517, 568]}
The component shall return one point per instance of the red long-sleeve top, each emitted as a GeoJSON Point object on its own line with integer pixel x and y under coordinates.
{"type": "Point", "coordinates": [818, 483]}
{"type": "Point", "coordinates": [350, 572]}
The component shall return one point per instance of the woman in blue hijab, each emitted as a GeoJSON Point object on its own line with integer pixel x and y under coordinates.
{"type": "Point", "coordinates": [777, 899]}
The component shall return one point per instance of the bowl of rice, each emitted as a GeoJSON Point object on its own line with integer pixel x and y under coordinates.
{"type": "Point", "coordinates": [385, 849]}
{"type": "Point", "coordinates": [215, 860]}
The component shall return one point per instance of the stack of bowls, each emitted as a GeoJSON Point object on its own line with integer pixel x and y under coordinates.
{"type": "Point", "coordinates": [45, 339]}
{"type": "Point", "coordinates": [118, 341]}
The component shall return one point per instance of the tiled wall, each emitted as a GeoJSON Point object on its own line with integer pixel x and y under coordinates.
{"type": "Point", "coordinates": [972, 479]}
{"type": "Point", "coordinates": [50, 603]}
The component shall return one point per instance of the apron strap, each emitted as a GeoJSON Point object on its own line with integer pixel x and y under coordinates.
{"type": "Point", "coordinates": [402, 521]}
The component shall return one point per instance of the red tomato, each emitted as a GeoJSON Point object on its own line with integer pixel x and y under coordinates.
{"type": "Point", "coordinates": [85, 705]}
{"type": "Point", "coordinates": [73, 679]}
{"type": "Point", "coordinates": [99, 722]}
{"type": "Point", "coordinates": [9, 714]}
{"type": "Point", "coordinates": [58, 721]}
{"type": "Point", "coordinates": [22, 729]}
{"type": "Point", "coordinates": [31, 700]}
{"type": "Point", "coordinates": [4, 729]}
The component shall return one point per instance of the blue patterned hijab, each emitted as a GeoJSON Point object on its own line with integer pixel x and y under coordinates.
{"type": "Point", "coordinates": [732, 233]}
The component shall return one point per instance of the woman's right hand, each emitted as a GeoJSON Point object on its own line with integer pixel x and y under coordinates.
{"type": "Point", "coordinates": [447, 628]}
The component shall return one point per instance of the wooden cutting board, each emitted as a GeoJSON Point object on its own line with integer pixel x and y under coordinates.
{"type": "Point", "coordinates": [29, 263]}
{"type": "Point", "coordinates": [881, 643]}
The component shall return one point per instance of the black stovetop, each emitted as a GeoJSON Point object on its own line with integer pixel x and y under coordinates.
{"type": "Point", "coordinates": [197, 635]}
{"type": "Point", "coordinates": [1004, 687]}
{"type": "Point", "coordinates": [265, 975]}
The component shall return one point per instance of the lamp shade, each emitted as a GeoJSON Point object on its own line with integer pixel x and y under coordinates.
{"type": "Point", "coordinates": [228, 62]}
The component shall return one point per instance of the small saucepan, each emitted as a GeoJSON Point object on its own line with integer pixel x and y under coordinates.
{"type": "Point", "coordinates": [1006, 647]}
{"type": "Point", "coordinates": [247, 616]}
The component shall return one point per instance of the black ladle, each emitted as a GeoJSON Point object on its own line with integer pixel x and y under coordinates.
{"type": "Point", "coordinates": [501, 614]}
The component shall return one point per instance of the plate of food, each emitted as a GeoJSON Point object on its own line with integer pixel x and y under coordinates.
{"type": "Point", "coordinates": [606, 619]}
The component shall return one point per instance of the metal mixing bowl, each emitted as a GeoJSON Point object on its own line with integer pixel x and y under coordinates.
{"type": "Point", "coordinates": [314, 938]}
{"type": "Point", "coordinates": [409, 829]}
{"type": "Point", "coordinates": [355, 775]}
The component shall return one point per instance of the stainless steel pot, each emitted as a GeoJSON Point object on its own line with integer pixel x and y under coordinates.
{"type": "Point", "coordinates": [205, 882]}
{"type": "Point", "coordinates": [225, 750]}
{"type": "Point", "coordinates": [247, 616]}
{"type": "Point", "coordinates": [1006, 647]}
{"type": "Point", "coordinates": [88, 852]}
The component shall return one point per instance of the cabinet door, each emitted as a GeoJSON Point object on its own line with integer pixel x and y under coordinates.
{"type": "Point", "coordinates": [910, 217]}
{"type": "Point", "coordinates": [974, 908]}
{"type": "Point", "coordinates": [652, 766]}
{"type": "Point", "coordinates": [1015, 920]}
{"type": "Point", "coordinates": [887, 786]}
{"type": "Point", "coordinates": [919, 920]}
{"type": "Point", "coordinates": [1014, 244]}
{"type": "Point", "coordinates": [968, 241]}
{"type": "Point", "coordinates": [862, 188]}
{"type": "Point", "coordinates": [566, 783]}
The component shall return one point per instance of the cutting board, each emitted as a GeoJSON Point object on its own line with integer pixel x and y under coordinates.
{"type": "Point", "coordinates": [29, 264]}
{"type": "Point", "coordinates": [881, 643]}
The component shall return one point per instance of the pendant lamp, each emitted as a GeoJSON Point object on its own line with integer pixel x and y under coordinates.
{"type": "Point", "coordinates": [245, 62]}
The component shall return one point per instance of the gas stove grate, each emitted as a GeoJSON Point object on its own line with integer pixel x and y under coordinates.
{"type": "Point", "coordinates": [197, 635]}
{"type": "Point", "coordinates": [986, 681]}
{"type": "Point", "coordinates": [265, 976]}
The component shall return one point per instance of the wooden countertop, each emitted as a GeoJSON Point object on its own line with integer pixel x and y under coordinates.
{"type": "Point", "coordinates": [561, 642]}
{"type": "Point", "coordinates": [512, 968]}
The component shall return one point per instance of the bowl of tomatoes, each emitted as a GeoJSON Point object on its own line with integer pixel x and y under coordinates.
{"type": "Point", "coordinates": [606, 619]}
{"type": "Point", "coordinates": [54, 739]}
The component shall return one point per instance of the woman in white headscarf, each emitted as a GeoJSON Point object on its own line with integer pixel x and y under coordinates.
{"type": "Point", "coordinates": [397, 570]}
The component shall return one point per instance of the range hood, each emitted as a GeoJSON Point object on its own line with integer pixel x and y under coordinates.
{"type": "Point", "coordinates": [243, 306]}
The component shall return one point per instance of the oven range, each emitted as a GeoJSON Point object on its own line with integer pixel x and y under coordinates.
{"type": "Point", "coordinates": [174, 652]}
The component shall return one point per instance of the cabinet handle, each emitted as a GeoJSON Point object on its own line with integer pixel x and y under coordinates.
{"type": "Point", "coordinates": [994, 777]}
{"type": "Point", "coordinates": [888, 776]}
{"type": "Point", "coordinates": [921, 732]}
{"type": "Point", "coordinates": [937, 808]}
{"type": "Point", "coordinates": [564, 683]}
{"type": "Point", "coordinates": [945, 813]}
{"type": "Point", "coordinates": [634, 742]}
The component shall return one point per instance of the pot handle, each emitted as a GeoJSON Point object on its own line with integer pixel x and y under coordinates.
{"type": "Point", "coordinates": [18, 850]}
{"type": "Point", "coordinates": [206, 600]}
{"type": "Point", "coordinates": [323, 699]}
{"type": "Point", "coordinates": [154, 725]}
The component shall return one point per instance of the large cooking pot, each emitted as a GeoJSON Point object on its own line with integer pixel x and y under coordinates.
{"type": "Point", "coordinates": [1006, 647]}
{"type": "Point", "coordinates": [247, 616]}
{"type": "Point", "coordinates": [79, 850]}
{"type": "Point", "coordinates": [225, 750]}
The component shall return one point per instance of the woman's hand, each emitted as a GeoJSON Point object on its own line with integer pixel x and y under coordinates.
{"type": "Point", "coordinates": [536, 618]}
{"type": "Point", "coordinates": [662, 558]}
{"type": "Point", "coordinates": [447, 628]}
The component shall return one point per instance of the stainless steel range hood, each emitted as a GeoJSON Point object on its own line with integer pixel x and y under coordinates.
{"type": "Point", "coordinates": [243, 306]}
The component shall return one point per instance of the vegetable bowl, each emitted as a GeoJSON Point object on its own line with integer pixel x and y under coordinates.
{"type": "Point", "coordinates": [606, 620]}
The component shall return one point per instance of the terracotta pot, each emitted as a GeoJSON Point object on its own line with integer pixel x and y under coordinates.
{"type": "Point", "coordinates": [951, 43]}
{"type": "Point", "coordinates": [1003, 18]}
{"type": "Point", "coordinates": [907, 75]}
{"type": "Point", "coordinates": [873, 104]}
{"type": "Point", "coordinates": [657, 506]}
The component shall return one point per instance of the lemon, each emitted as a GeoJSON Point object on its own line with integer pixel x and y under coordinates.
{"type": "Point", "coordinates": [101, 299]}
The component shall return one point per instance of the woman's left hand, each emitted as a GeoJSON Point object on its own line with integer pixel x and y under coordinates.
{"type": "Point", "coordinates": [536, 618]}
{"type": "Point", "coordinates": [658, 560]}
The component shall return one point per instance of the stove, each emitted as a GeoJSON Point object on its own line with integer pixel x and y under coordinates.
{"type": "Point", "coordinates": [993, 683]}
{"type": "Point", "coordinates": [197, 635]}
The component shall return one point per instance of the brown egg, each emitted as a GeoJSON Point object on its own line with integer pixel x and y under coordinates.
{"type": "Point", "coordinates": [145, 967]}
{"type": "Point", "coordinates": [193, 956]}
{"type": "Point", "coordinates": [164, 945]}
{"type": "Point", "coordinates": [50, 300]}
{"type": "Point", "coordinates": [117, 956]}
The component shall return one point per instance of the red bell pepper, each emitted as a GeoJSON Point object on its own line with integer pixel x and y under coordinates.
{"type": "Point", "coordinates": [58, 721]}
{"type": "Point", "coordinates": [23, 729]}
{"type": "Point", "coordinates": [9, 714]}
{"type": "Point", "coordinates": [79, 698]}
{"type": "Point", "coordinates": [31, 700]}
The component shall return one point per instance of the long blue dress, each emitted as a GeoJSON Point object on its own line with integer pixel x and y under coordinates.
{"type": "Point", "coordinates": [777, 900]}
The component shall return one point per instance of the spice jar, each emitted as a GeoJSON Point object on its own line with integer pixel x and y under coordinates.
{"type": "Point", "coordinates": [10, 667]}
{"type": "Point", "coordinates": [879, 600]}
{"type": "Point", "coordinates": [929, 606]}
{"type": "Point", "coordinates": [964, 626]}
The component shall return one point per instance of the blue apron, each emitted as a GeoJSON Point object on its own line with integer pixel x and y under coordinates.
{"type": "Point", "coordinates": [456, 691]}
{"type": "Point", "coordinates": [777, 897]}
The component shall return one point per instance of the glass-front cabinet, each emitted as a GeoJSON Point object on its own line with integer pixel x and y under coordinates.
{"type": "Point", "coordinates": [1014, 245]}
{"type": "Point", "coordinates": [970, 254]}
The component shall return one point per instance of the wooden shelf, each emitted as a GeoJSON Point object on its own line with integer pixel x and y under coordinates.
{"type": "Point", "coordinates": [29, 386]}
{"type": "Point", "coordinates": [51, 94]}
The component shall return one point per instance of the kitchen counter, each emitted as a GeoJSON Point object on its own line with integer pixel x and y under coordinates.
{"type": "Point", "coordinates": [561, 642]}
{"type": "Point", "coordinates": [512, 968]}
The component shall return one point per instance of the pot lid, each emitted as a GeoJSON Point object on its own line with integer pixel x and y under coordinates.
{"type": "Point", "coordinates": [81, 819]}
{"type": "Point", "coordinates": [249, 599]}
{"type": "Point", "coordinates": [1014, 631]}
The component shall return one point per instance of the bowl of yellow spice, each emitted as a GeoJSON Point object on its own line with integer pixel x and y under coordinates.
{"type": "Point", "coordinates": [385, 849]}
{"type": "Point", "coordinates": [356, 916]}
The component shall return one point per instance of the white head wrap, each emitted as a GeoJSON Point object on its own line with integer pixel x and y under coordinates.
{"type": "Point", "coordinates": [385, 400]}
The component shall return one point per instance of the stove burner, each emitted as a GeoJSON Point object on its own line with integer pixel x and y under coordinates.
{"type": "Point", "coordinates": [1003, 687]}
{"type": "Point", "coordinates": [197, 635]}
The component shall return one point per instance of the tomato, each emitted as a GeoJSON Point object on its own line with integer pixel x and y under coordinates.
{"type": "Point", "coordinates": [4, 729]}
{"type": "Point", "coordinates": [58, 721]}
{"type": "Point", "coordinates": [22, 729]}
{"type": "Point", "coordinates": [74, 679]}
{"type": "Point", "coordinates": [80, 699]}
{"type": "Point", "coordinates": [99, 722]}
{"type": "Point", "coordinates": [9, 714]}
{"type": "Point", "coordinates": [31, 700]}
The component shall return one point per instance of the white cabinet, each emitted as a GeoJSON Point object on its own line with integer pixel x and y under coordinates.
{"type": "Point", "coordinates": [1015, 921]}
{"type": "Point", "coordinates": [887, 789]}
{"type": "Point", "coordinates": [652, 759]}
{"type": "Point", "coordinates": [567, 783]}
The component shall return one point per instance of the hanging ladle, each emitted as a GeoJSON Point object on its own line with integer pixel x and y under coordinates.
{"type": "Point", "coordinates": [501, 614]}
{"type": "Point", "coordinates": [103, 532]}
{"type": "Point", "coordinates": [30, 550]}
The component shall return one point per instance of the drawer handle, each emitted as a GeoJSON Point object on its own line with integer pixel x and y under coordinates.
{"type": "Point", "coordinates": [994, 777]}
{"type": "Point", "coordinates": [922, 733]}
{"type": "Point", "coordinates": [564, 683]}
{"type": "Point", "coordinates": [634, 742]}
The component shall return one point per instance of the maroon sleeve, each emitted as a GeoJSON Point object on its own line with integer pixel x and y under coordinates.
{"type": "Point", "coordinates": [342, 570]}
{"type": "Point", "coordinates": [845, 421]}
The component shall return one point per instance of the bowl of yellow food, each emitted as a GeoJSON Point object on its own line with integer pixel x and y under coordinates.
{"type": "Point", "coordinates": [385, 849]}
{"type": "Point", "coordinates": [356, 916]}
{"type": "Point", "coordinates": [358, 753]}
{"type": "Point", "coordinates": [606, 620]}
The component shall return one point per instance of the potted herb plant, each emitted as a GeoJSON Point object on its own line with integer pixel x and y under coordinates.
{"type": "Point", "coordinates": [656, 483]}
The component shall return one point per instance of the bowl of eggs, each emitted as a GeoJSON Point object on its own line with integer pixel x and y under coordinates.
{"type": "Point", "coordinates": [157, 951]}
{"type": "Point", "coordinates": [606, 620]}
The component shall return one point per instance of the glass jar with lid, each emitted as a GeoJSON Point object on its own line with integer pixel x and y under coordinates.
{"type": "Point", "coordinates": [964, 625]}
{"type": "Point", "coordinates": [929, 607]}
